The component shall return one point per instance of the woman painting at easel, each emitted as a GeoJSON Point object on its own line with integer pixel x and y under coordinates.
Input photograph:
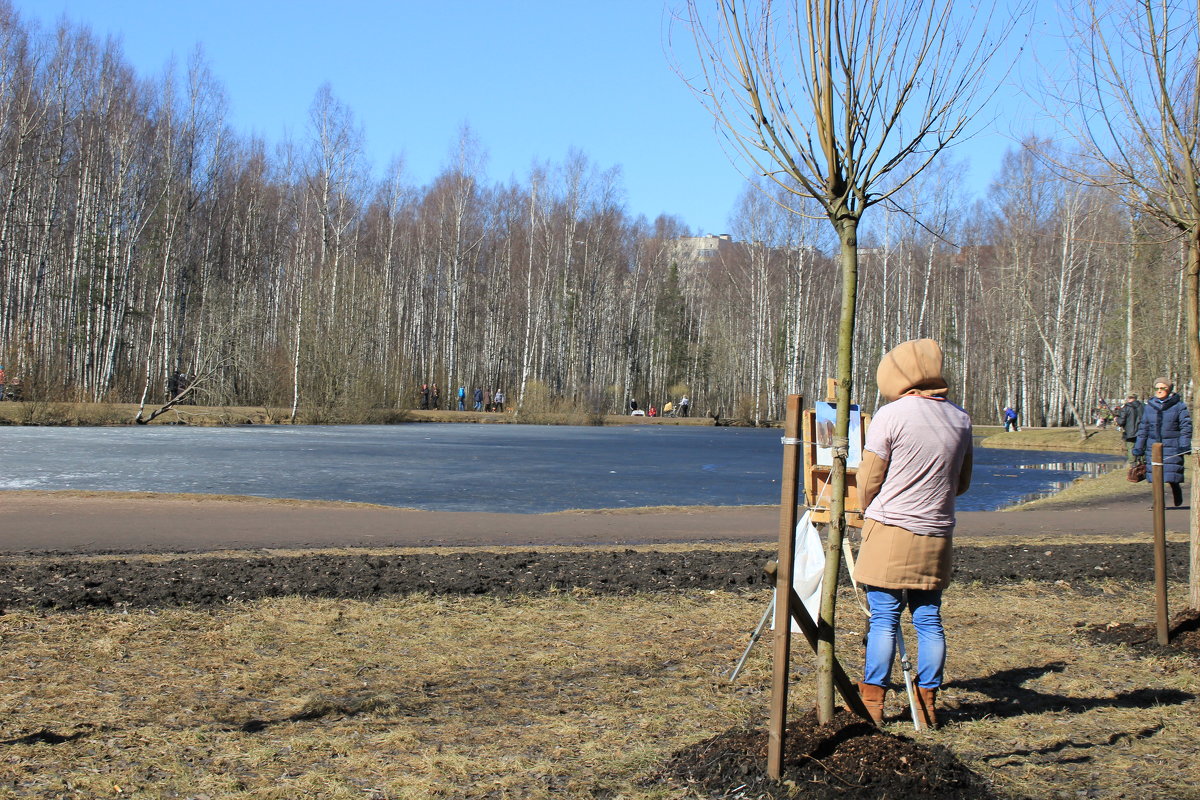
{"type": "Point", "coordinates": [916, 460]}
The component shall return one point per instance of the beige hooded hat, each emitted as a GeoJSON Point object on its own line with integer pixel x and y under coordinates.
{"type": "Point", "coordinates": [912, 366]}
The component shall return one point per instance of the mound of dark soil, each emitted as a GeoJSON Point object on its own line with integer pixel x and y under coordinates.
{"type": "Point", "coordinates": [73, 583]}
{"type": "Point", "coordinates": [845, 759]}
{"type": "Point", "coordinates": [1183, 635]}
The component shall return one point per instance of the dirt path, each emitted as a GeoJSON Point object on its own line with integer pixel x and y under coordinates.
{"type": "Point", "coordinates": [76, 523]}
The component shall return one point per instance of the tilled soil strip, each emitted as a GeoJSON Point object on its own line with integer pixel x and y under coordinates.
{"type": "Point", "coordinates": [66, 584]}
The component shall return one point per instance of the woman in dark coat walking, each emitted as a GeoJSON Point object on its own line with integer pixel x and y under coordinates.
{"type": "Point", "coordinates": [1166, 419]}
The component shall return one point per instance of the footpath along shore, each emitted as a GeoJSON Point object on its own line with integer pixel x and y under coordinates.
{"type": "Point", "coordinates": [85, 523]}
{"type": "Point", "coordinates": [65, 523]}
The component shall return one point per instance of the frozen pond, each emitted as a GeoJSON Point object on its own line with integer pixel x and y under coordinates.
{"type": "Point", "coordinates": [464, 467]}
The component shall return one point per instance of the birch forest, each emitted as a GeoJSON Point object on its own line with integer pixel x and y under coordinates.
{"type": "Point", "coordinates": [141, 239]}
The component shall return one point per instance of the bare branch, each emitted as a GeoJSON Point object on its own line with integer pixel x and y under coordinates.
{"type": "Point", "coordinates": [183, 393]}
{"type": "Point", "coordinates": [849, 102]}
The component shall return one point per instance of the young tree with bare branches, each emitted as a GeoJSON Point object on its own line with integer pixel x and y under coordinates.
{"type": "Point", "coordinates": [843, 103]}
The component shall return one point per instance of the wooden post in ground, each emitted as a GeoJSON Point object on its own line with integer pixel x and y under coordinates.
{"type": "Point", "coordinates": [1160, 543]}
{"type": "Point", "coordinates": [783, 587]}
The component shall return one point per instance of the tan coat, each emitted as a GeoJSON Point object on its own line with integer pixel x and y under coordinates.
{"type": "Point", "coordinates": [893, 558]}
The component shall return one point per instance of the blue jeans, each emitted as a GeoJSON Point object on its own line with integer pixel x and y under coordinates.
{"type": "Point", "coordinates": [886, 606]}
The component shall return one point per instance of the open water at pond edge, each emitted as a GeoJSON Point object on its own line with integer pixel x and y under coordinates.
{"type": "Point", "coordinates": [455, 467]}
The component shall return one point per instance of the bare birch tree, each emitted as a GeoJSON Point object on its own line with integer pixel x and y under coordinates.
{"type": "Point", "coordinates": [1133, 106]}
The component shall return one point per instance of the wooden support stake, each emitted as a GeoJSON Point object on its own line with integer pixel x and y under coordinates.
{"type": "Point", "coordinates": [783, 587]}
{"type": "Point", "coordinates": [1160, 543]}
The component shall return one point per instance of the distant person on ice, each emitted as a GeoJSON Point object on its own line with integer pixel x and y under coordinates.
{"type": "Point", "coordinates": [916, 459]}
{"type": "Point", "coordinates": [1166, 419]}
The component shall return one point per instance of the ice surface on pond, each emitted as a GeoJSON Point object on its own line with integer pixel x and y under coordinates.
{"type": "Point", "coordinates": [460, 467]}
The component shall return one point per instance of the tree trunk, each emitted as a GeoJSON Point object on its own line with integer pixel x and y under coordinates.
{"type": "Point", "coordinates": [1192, 302]}
{"type": "Point", "coordinates": [847, 228]}
{"type": "Point", "coordinates": [1129, 267]}
{"type": "Point", "coordinates": [296, 355]}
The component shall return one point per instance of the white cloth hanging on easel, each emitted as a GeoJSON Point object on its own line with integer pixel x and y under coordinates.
{"type": "Point", "coordinates": [809, 569]}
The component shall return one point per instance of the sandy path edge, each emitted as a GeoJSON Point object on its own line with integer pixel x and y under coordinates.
{"type": "Point", "coordinates": [92, 523]}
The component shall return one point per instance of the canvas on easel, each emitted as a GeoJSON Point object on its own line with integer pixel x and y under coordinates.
{"type": "Point", "coordinates": [826, 418]}
{"type": "Point", "coordinates": [817, 433]}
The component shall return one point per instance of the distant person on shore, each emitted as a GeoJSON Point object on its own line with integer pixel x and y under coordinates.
{"type": "Point", "coordinates": [1165, 419]}
{"type": "Point", "coordinates": [498, 400]}
{"type": "Point", "coordinates": [462, 398]}
{"type": "Point", "coordinates": [435, 397]}
{"type": "Point", "coordinates": [478, 398]}
{"type": "Point", "coordinates": [424, 396]}
{"type": "Point", "coordinates": [487, 399]}
{"type": "Point", "coordinates": [1010, 419]}
{"type": "Point", "coordinates": [684, 405]}
{"type": "Point", "coordinates": [3, 382]}
{"type": "Point", "coordinates": [916, 459]}
{"type": "Point", "coordinates": [632, 406]}
{"type": "Point", "coordinates": [653, 412]}
{"type": "Point", "coordinates": [1129, 416]}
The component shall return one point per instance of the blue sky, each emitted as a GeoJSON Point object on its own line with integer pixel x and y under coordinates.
{"type": "Point", "coordinates": [532, 79]}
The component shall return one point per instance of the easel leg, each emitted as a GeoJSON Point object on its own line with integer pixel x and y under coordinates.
{"type": "Point", "coordinates": [906, 668]}
{"type": "Point", "coordinates": [762, 623]}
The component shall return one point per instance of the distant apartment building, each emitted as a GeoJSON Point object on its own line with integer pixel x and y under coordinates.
{"type": "Point", "coordinates": [700, 249]}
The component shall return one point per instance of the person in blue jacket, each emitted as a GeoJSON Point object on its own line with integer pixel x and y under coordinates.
{"type": "Point", "coordinates": [1166, 419]}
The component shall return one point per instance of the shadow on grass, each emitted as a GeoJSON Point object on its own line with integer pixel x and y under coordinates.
{"type": "Point", "coordinates": [46, 736]}
{"type": "Point", "coordinates": [318, 707]}
{"type": "Point", "coordinates": [1010, 698]}
{"type": "Point", "coordinates": [1017, 757]}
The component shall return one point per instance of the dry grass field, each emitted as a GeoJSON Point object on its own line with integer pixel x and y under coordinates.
{"type": "Point", "coordinates": [565, 694]}
{"type": "Point", "coordinates": [1107, 488]}
{"type": "Point", "coordinates": [41, 412]}
{"type": "Point", "coordinates": [1097, 441]}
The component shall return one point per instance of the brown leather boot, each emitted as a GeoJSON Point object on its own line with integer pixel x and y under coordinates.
{"type": "Point", "coordinates": [927, 707]}
{"type": "Point", "coordinates": [872, 697]}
